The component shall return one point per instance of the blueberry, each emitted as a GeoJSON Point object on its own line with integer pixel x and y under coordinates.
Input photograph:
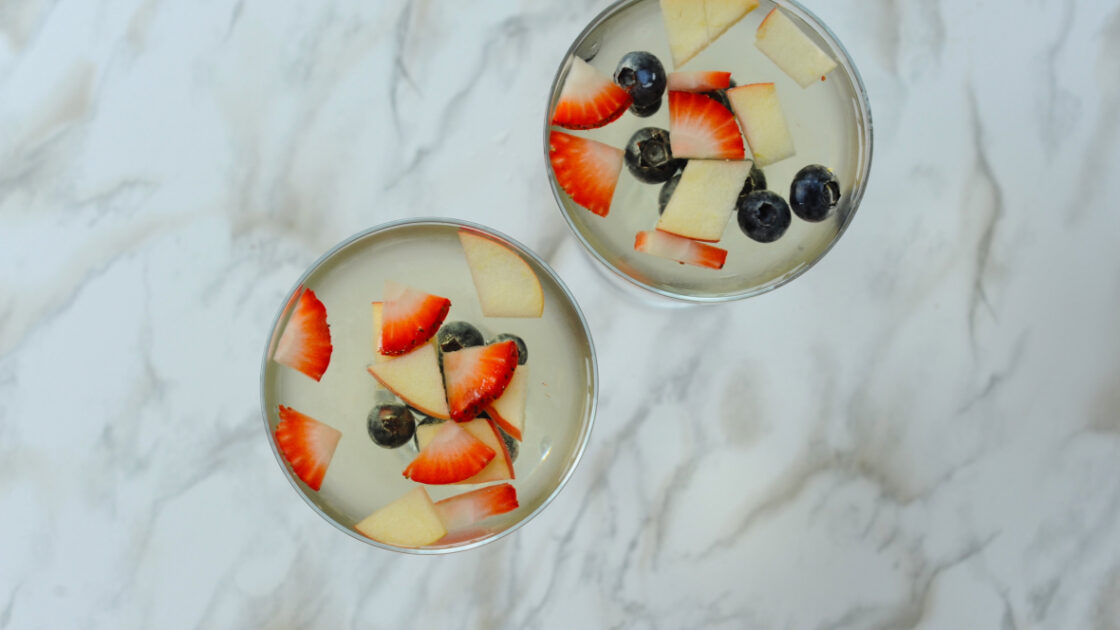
{"type": "Point", "coordinates": [522, 349]}
{"type": "Point", "coordinates": [511, 444]}
{"type": "Point", "coordinates": [763, 216]}
{"type": "Point", "coordinates": [755, 181]}
{"type": "Point", "coordinates": [390, 425]}
{"type": "Point", "coordinates": [458, 335]}
{"type": "Point", "coordinates": [720, 96]}
{"type": "Point", "coordinates": [642, 75]}
{"type": "Point", "coordinates": [814, 192]}
{"type": "Point", "coordinates": [649, 157]}
{"type": "Point", "coordinates": [667, 192]}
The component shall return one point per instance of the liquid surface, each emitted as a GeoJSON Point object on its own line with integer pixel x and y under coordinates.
{"type": "Point", "coordinates": [363, 476]}
{"type": "Point", "coordinates": [824, 120]}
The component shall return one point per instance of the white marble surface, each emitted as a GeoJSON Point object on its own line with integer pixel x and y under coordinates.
{"type": "Point", "coordinates": [921, 432]}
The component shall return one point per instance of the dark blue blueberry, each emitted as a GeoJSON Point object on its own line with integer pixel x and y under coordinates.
{"type": "Point", "coordinates": [755, 181]}
{"type": "Point", "coordinates": [814, 192]}
{"type": "Point", "coordinates": [454, 336]}
{"type": "Point", "coordinates": [390, 425]}
{"type": "Point", "coordinates": [642, 75]}
{"type": "Point", "coordinates": [667, 192]}
{"type": "Point", "coordinates": [763, 216]}
{"type": "Point", "coordinates": [522, 349]}
{"type": "Point", "coordinates": [649, 157]}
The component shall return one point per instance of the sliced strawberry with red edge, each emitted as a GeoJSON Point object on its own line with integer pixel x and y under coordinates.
{"type": "Point", "coordinates": [307, 444]}
{"type": "Point", "coordinates": [463, 510]}
{"type": "Point", "coordinates": [589, 98]}
{"type": "Point", "coordinates": [452, 455]}
{"type": "Point", "coordinates": [305, 344]}
{"type": "Point", "coordinates": [703, 81]}
{"type": "Point", "coordinates": [586, 169]}
{"type": "Point", "coordinates": [699, 127]}
{"type": "Point", "coordinates": [680, 249]}
{"type": "Point", "coordinates": [409, 317]}
{"type": "Point", "coordinates": [476, 376]}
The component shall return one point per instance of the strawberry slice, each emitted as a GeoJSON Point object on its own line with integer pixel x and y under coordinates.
{"type": "Point", "coordinates": [307, 444]}
{"type": "Point", "coordinates": [698, 81]}
{"type": "Point", "coordinates": [589, 98]}
{"type": "Point", "coordinates": [476, 376]}
{"type": "Point", "coordinates": [305, 344]}
{"type": "Point", "coordinates": [409, 317]}
{"type": "Point", "coordinates": [452, 455]}
{"type": "Point", "coordinates": [699, 127]}
{"type": "Point", "coordinates": [680, 249]}
{"type": "Point", "coordinates": [586, 169]}
{"type": "Point", "coordinates": [463, 510]}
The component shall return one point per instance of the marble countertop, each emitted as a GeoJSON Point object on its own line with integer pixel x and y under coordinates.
{"type": "Point", "coordinates": [921, 432]}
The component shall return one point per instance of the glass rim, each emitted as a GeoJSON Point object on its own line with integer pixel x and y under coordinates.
{"type": "Point", "coordinates": [866, 147]}
{"type": "Point", "coordinates": [585, 429]}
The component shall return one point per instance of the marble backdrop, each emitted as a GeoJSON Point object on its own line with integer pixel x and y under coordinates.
{"type": "Point", "coordinates": [921, 432]}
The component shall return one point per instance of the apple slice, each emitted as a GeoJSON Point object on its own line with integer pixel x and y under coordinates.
{"type": "Point", "coordinates": [704, 199]}
{"type": "Point", "coordinates": [760, 115]}
{"type": "Point", "coordinates": [680, 249]}
{"type": "Point", "coordinates": [415, 378]}
{"type": "Point", "coordinates": [506, 285]}
{"type": "Point", "coordinates": [723, 14]}
{"type": "Point", "coordinates": [686, 25]}
{"type": "Point", "coordinates": [792, 50]}
{"type": "Point", "coordinates": [509, 409]}
{"type": "Point", "coordinates": [378, 357]}
{"type": "Point", "coordinates": [410, 521]}
{"type": "Point", "coordinates": [499, 469]}
{"type": "Point", "coordinates": [466, 509]}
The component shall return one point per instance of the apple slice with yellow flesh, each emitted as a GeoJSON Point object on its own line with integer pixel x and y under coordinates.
{"type": "Point", "coordinates": [792, 50]}
{"type": "Point", "coordinates": [704, 199]}
{"type": "Point", "coordinates": [760, 115]}
{"type": "Point", "coordinates": [499, 469]}
{"type": "Point", "coordinates": [410, 521]}
{"type": "Point", "coordinates": [509, 409]}
{"type": "Point", "coordinates": [415, 378]}
{"type": "Point", "coordinates": [506, 285]}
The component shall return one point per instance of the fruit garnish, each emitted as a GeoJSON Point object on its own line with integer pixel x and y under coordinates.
{"type": "Point", "coordinates": [667, 190]}
{"type": "Point", "coordinates": [763, 216]}
{"type": "Point", "coordinates": [463, 510]}
{"type": "Point", "coordinates": [693, 24]}
{"type": "Point", "coordinates": [756, 181]}
{"type": "Point", "coordinates": [410, 521]}
{"type": "Point", "coordinates": [452, 455]}
{"type": "Point", "coordinates": [641, 74]}
{"type": "Point", "coordinates": [416, 379]}
{"type": "Point", "coordinates": [699, 127]}
{"type": "Point", "coordinates": [701, 81]}
{"type": "Point", "coordinates": [815, 191]}
{"type": "Point", "coordinates": [305, 344]}
{"type": "Point", "coordinates": [704, 199]}
{"type": "Point", "coordinates": [390, 424]}
{"type": "Point", "coordinates": [500, 468]}
{"type": "Point", "coordinates": [454, 336]}
{"type": "Point", "coordinates": [522, 349]}
{"type": "Point", "coordinates": [307, 444]}
{"type": "Point", "coordinates": [586, 169]}
{"type": "Point", "coordinates": [409, 317]}
{"type": "Point", "coordinates": [792, 50]}
{"type": "Point", "coordinates": [760, 114]}
{"type": "Point", "coordinates": [649, 157]}
{"type": "Point", "coordinates": [505, 284]}
{"type": "Point", "coordinates": [680, 249]}
{"type": "Point", "coordinates": [508, 410]}
{"type": "Point", "coordinates": [588, 99]}
{"type": "Point", "coordinates": [475, 377]}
